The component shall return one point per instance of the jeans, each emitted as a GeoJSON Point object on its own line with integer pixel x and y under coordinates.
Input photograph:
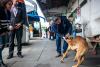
{"type": "Point", "coordinates": [3, 41]}
{"type": "Point", "coordinates": [58, 44]}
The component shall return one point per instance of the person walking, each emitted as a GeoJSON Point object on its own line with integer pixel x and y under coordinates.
{"type": "Point", "coordinates": [46, 30]}
{"type": "Point", "coordinates": [16, 27]}
{"type": "Point", "coordinates": [52, 33]}
{"type": "Point", "coordinates": [63, 28]}
{"type": "Point", "coordinates": [5, 6]}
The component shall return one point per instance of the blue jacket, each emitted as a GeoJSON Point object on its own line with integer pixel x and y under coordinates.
{"type": "Point", "coordinates": [63, 28]}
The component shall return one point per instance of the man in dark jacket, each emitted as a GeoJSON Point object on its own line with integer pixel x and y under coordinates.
{"type": "Point", "coordinates": [62, 27]}
{"type": "Point", "coordinates": [16, 27]}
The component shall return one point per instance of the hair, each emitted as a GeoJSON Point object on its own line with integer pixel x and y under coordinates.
{"type": "Point", "coordinates": [55, 18]}
{"type": "Point", "coordinates": [3, 3]}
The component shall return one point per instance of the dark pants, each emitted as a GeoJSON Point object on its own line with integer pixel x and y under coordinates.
{"type": "Point", "coordinates": [58, 44]}
{"type": "Point", "coordinates": [18, 33]}
{"type": "Point", "coordinates": [46, 35]}
{"type": "Point", "coordinates": [52, 34]}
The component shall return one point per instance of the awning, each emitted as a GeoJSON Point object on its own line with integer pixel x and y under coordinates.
{"type": "Point", "coordinates": [36, 16]}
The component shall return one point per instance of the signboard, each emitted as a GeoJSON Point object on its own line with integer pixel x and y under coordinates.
{"type": "Point", "coordinates": [78, 11]}
{"type": "Point", "coordinates": [43, 1]}
{"type": "Point", "coordinates": [78, 19]}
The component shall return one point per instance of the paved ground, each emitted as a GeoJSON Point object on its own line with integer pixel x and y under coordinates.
{"type": "Point", "coordinates": [40, 53]}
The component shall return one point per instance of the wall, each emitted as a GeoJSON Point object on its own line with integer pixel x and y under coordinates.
{"type": "Point", "coordinates": [90, 14]}
{"type": "Point", "coordinates": [95, 16]}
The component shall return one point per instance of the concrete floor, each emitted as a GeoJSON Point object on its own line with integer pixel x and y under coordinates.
{"type": "Point", "coordinates": [41, 53]}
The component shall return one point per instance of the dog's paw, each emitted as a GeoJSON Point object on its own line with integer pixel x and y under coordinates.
{"type": "Point", "coordinates": [74, 60]}
{"type": "Point", "coordinates": [61, 61]}
{"type": "Point", "coordinates": [74, 66]}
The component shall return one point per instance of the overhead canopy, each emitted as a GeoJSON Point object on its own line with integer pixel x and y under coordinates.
{"type": "Point", "coordinates": [35, 17]}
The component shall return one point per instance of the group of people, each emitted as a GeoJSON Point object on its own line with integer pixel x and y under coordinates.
{"type": "Point", "coordinates": [12, 20]}
{"type": "Point", "coordinates": [11, 23]}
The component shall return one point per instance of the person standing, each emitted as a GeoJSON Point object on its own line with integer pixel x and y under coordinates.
{"type": "Point", "coordinates": [52, 33]}
{"type": "Point", "coordinates": [16, 27]}
{"type": "Point", "coordinates": [62, 27]}
{"type": "Point", "coordinates": [5, 6]}
{"type": "Point", "coordinates": [46, 30]}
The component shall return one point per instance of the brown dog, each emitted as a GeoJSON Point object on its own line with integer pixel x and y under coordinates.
{"type": "Point", "coordinates": [80, 46]}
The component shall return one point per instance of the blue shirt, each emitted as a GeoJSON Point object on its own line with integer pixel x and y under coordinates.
{"type": "Point", "coordinates": [52, 29]}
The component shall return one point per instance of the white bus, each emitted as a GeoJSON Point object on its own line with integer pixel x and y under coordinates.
{"type": "Point", "coordinates": [26, 30]}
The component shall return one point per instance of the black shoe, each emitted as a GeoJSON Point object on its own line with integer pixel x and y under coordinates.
{"type": "Point", "coordinates": [19, 55]}
{"type": "Point", "coordinates": [9, 57]}
{"type": "Point", "coordinates": [2, 64]}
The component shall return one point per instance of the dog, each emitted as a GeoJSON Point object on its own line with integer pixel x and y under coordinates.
{"type": "Point", "coordinates": [80, 46]}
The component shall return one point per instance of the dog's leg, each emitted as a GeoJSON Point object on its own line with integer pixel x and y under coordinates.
{"type": "Point", "coordinates": [82, 59]}
{"type": "Point", "coordinates": [75, 58]}
{"type": "Point", "coordinates": [64, 55]}
{"type": "Point", "coordinates": [79, 60]}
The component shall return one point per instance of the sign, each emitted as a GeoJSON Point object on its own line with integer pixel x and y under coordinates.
{"type": "Point", "coordinates": [78, 19]}
{"type": "Point", "coordinates": [78, 11]}
{"type": "Point", "coordinates": [43, 1]}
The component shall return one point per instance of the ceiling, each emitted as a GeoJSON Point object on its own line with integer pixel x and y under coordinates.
{"type": "Point", "coordinates": [48, 4]}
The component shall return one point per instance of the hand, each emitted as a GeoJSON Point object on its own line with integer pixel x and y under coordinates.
{"type": "Point", "coordinates": [67, 36]}
{"type": "Point", "coordinates": [6, 32]}
{"type": "Point", "coordinates": [18, 26]}
{"type": "Point", "coordinates": [3, 33]}
{"type": "Point", "coordinates": [64, 39]}
{"type": "Point", "coordinates": [11, 27]}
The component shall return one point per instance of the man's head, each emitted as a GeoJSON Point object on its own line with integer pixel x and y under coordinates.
{"type": "Point", "coordinates": [56, 19]}
{"type": "Point", "coordinates": [15, 2]}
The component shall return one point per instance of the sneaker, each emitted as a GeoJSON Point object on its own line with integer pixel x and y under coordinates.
{"type": "Point", "coordinates": [19, 55]}
{"type": "Point", "coordinates": [65, 56]}
{"type": "Point", "coordinates": [10, 56]}
{"type": "Point", "coordinates": [57, 55]}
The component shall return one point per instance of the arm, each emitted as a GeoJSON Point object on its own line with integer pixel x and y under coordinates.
{"type": "Point", "coordinates": [23, 17]}
{"type": "Point", "coordinates": [1, 28]}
